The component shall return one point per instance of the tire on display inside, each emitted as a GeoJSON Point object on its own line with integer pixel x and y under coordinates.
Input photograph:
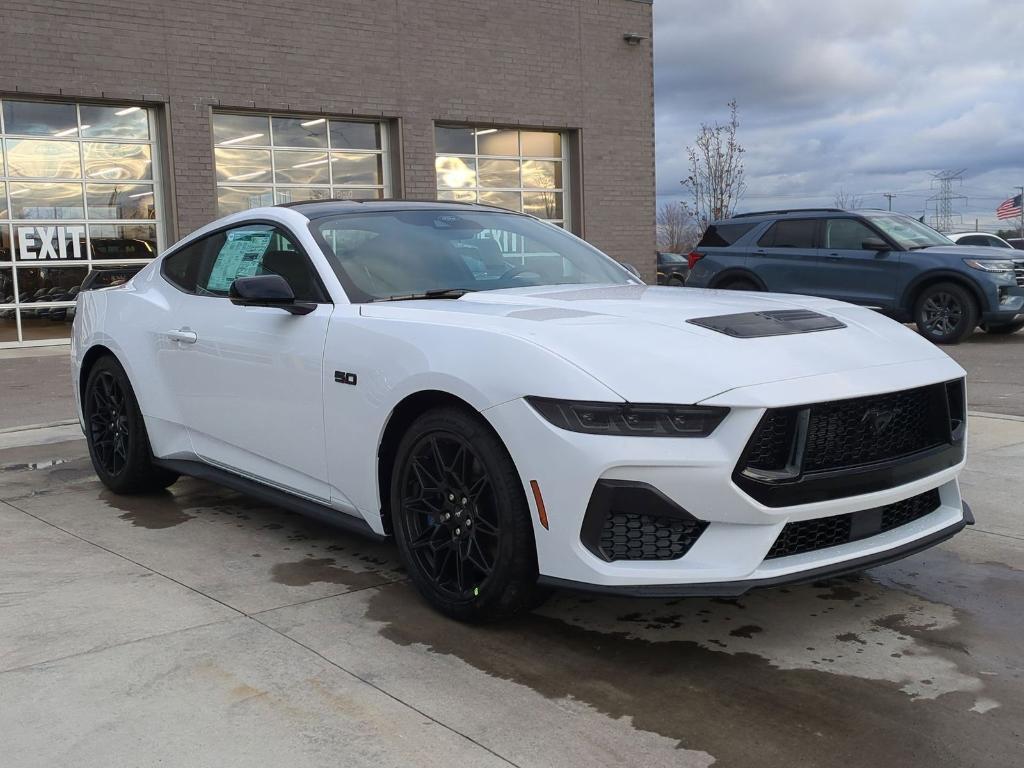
{"type": "Point", "coordinates": [461, 518]}
{"type": "Point", "coordinates": [116, 432]}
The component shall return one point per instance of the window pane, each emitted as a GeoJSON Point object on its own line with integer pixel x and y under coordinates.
{"type": "Point", "coordinates": [249, 165]}
{"type": "Point", "coordinates": [499, 173]}
{"type": "Point", "coordinates": [846, 234]}
{"type": "Point", "coordinates": [353, 193]}
{"type": "Point", "coordinates": [111, 162]}
{"type": "Point", "coordinates": [455, 141]}
{"type": "Point", "coordinates": [455, 172]}
{"type": "Point", "coordinates": [299, 132]}
{"type": "Point", "coordinates": [542, 144]}
{"type": "Point", "coordinates": [240, 254]}
{"type": "Point", "coordinates": [46, 200]}
{"type": "Point", "coordinates": [48, 283]}
{"type": "Point", "coordinates": [120, 201]}
{"type": "Point", "coordinates": [292, 167]}
{"type": "Point", "coordinates": [510, 200]}
{"type": "Point", "coordinates": [498, 142]}
{"type": "Point", "coordinates": [462, 195]}
{"type": "Point", "coordinates": [43, 159]}
{"type": "Point", "coordinates": [51, 322]}
{"type": "Point", "coordinates": [796, 233]}
{"type": "Point", "coordinates": [349, 168]}
{"type": "Point", "coordinates": [238, 130]}
{"type": "Point", "coordinates": [49, 242]}
{"type": "Point", "coordinates": [7, 285]}
{"type": "Point", "coordinates": [545, 205]}
{"type": "Point", "coordinates": [542, 174]}
{"type": "Point", "coordinates": [6, 246]}
{"type": "Point", "coordinates": [234, 199]}
{"type": "Point", "coordinates": [40, 118]}
{"type": "Point", "coordinates": [294, 194]}
{"type": "Point", "coordinates": [353, 135]}
{"type": "Point", "coordinates": [114, 122]}
{"type": "Point", "coordinates": [120, 242]}
{"type": "Point", "coordinates": [4, 213]}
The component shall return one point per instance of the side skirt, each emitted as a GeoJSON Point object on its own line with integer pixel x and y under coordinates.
{"type": "Point", "coordinates": [272, 496]}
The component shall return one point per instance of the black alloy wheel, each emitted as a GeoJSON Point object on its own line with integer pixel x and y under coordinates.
{"type": "Point", "coordinates": [108, 423]}
{"type": "Point", "coordinates": [461, 520]}
{"type": "Point", "coordinates": [946, 313]}
{"type": "Point", "coordinates": [116, 432]}
{"type": "Point", "coordinates": [449, 514]}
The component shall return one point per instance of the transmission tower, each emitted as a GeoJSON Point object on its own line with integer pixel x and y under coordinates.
{"type": "Point", "coordinates": [943, 183]}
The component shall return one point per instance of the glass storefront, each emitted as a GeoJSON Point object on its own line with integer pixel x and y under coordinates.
{"type": "Point", "coordinates": [517, 169]}
{"type": "Point", "coordinates": [270, 159]}
{"type": "Point", "coordinates": [79, 189]}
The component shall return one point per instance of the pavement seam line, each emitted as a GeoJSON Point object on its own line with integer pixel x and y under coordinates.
{"type": "Point", "coordinates": [995, 533]}
{"type": "Point", "coordinates": [384, 583]}
{"type": "Point", "coordinates": [102, 648]}
{"type": "Point", "coordinates": [385, 692]}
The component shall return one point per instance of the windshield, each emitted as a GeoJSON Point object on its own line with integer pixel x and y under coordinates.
{"type": "Point", "coordinates": [398, 253]}
{"type": "Point", "coordinates": [907, 232]}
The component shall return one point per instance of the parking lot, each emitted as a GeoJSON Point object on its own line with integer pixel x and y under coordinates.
{"type": "Point", "coordinates": [199, 627]}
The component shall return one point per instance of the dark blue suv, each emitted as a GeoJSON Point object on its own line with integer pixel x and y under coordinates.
{"type": "Point", "coordinates": [878, 259]}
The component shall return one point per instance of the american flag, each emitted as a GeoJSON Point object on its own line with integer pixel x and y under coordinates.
{"type": "Point", "coordinates": [1009, 209]}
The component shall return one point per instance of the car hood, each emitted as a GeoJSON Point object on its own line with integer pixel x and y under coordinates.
{"type": "Point", "coordinates": [967, 251]}
{"type": "Point", "coordinates": [637, 341]}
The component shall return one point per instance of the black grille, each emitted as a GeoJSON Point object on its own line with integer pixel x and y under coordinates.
{"type": "Point", "coordinates": [867, 429]}
{"type": "Point", "coordinates": [812, 535]}
{"type": "Point", "coordinates": [627, 536]}
{"type": "Point", "coordinates": [772, 443]}
{"type": "Point", "coordinates": [850, 433]}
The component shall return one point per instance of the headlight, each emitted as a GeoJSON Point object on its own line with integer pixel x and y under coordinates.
{"type": "Point", "coordinates": [990, 265]}
{"type": "Point", "coordinates": [640, 420]}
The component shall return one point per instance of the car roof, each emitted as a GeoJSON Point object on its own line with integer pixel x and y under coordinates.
{"type": "Point", "coordinates": [317, 209]}
{"type": "Point", "coordinates": [755, 217]}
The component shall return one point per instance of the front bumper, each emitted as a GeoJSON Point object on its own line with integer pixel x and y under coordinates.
{"type": "Point", "coordinates": [730, 555]}
{"type": "Point", "coordinates": [742, 586]}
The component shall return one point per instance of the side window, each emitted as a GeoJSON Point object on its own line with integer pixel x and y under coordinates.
{"type": "Point", "coordinates": [723, 235]}
{"type": "Point", "coordinates": [257, 249]}
{"type": "Point", "coordinates": [847, 234]}
{"type": "Point", "coordinates": [994, 243]}
{"type": "Point", "coordinates": [791, 233]}
{"type": "Point", "coordinates": [183, 267]}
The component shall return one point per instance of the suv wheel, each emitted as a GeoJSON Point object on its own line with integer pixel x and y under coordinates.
{"type": "Point", "coordinates": [945, 313]}
{"type": "Point", "coordinates": [461, 518]}
{"type": "Point", "coordinates": [1003, 328]}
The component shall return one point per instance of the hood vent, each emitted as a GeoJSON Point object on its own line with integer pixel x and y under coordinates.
{"type": "Point", "coordinates": [777, 322]}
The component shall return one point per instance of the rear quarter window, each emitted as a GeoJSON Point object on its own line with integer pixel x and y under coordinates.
{"type": "Point", "coordinates": [723, 235]}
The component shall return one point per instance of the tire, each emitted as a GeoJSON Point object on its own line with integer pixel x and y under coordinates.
{"type": "Point", "coordinates": [1003, 329]}
{"type": "Point", "coordinates": [676, 281]}
{"type": "Point", "coordinates": [945, 313]}
{"type": "Point", "coordinates": [116, 433]}
{"type": "Point", "coordinates": [739, 285]}
{"type": "Point", "coordinates": [449, 468]}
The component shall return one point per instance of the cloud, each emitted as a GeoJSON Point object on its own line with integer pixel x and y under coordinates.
{"type": "Point", "coordinates": [871, 96]}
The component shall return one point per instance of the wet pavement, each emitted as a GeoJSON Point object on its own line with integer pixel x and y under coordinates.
{"type": "Point", "coordinates": [200, 627]}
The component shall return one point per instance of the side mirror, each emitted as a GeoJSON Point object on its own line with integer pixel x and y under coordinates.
{"type": "Point", "coordinates": [267, 291]}
{"type": "Point", "coordinates": [875, 244]}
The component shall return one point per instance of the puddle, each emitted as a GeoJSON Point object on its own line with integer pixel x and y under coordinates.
{"type": "Point", "coordinates": [302, 573]}
{"type": "Point", "coordinates": [33, 465]}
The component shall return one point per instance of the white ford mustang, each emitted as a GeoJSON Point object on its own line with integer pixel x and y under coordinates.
{"type": "Point", "coordinates": [517, 409]}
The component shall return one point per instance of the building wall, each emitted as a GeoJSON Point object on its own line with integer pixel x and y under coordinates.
{"type": "Point", "coordinates": [541, 63]}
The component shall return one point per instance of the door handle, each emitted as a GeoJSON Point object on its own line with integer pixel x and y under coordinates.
{"type": "Point", "coordinates": [760, 252]}
{"type": "Point", "coordinates": [183, 335]}
{"type": "Point", "coordinates": [834, 257]}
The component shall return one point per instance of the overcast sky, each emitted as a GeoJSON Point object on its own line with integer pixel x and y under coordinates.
{"type": "Point", "coordinates": [869, 95]}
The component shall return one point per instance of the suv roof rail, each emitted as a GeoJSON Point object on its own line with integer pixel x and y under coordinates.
{"type": "Point", "coordinates": [789, 210]}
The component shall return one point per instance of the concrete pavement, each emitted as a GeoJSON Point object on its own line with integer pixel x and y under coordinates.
{"type": "Point", "coordinates": [199, 627]}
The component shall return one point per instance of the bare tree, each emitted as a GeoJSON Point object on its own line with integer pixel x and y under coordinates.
{"type": "Point", "coordinates": [846, 200]}
{"type": "Point", "coordinates": [678, 230]}
{"type": "Point", "coordinates": [716, 169]}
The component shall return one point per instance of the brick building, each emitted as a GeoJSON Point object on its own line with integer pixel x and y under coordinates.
{"type": "Point", "coordinates": [125, 126]}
